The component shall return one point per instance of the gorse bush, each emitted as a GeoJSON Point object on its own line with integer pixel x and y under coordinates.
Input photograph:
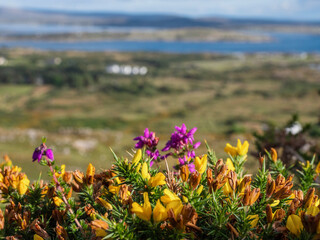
{"type": "Point", "coordinates": [203, 197]}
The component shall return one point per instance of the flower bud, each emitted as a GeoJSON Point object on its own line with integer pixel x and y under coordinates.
{"type": "Point", "coordinates": [270, 188]}
{"type": "Point", "coordinates": [254, 195]}
{"type": "Point", "coordinates": [184, 173]}
{"type": "Point", "coordinates": [67, 177]}
{"type": "Point", "coordinates": [78, 177]}
{"type": "Point", "coordinates": [195, 180]}
{"type": "Point", "coordinates": [309, 198]}
{"type": "Point", "coordinates": [185, 199]}
{"type": "Point", "coordinates": [104, 203]}
{"type": "Point", "coordinates": [138, 167]}
{"type": "Point", "coordinates": [246, 181]}
{"type": "Point", "coordinates": [279, 215]}
{"type": "Point", "coordinates": [57, 201]}
{"type": "Point", "coordinates": [232, 178]}
{"type": "Point", "coordinates": [137, 157]}
{"type": "Point", "coordinates": [261, 161]}
{"type": "Point", "coordinates": [269, 214]}
{"type": "Point", "coordinates": [246, 196]}
{"type": "Point", "coordinates": [90, 174]}
{"type": "Point", "coordinates": [299, 195]}
{"type": "Point", "coordinates": [69, 195]}
{"type": "Point", "coordinates": [274, 155]}
{"type": "Point", "coordinates": [199, 190]}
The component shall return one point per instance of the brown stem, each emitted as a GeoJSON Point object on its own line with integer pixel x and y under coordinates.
{"type": "Point", "coordinates": [59, 188]}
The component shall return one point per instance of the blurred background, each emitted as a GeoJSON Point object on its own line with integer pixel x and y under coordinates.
{"type": "Point", "coordinates": [93, 75]}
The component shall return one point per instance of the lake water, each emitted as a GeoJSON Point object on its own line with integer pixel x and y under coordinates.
{"type": "Point", "coordinates": [283, 42]}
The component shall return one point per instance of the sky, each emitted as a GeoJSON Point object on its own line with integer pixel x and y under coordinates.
{"type": "Point", "coordinates": [274, 9]}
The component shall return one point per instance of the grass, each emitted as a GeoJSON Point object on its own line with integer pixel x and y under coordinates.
{"type": "Point", "coordinates": [225, 96]}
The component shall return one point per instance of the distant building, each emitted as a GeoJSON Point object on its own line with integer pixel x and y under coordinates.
{"type": "Point", "coordinates": [126, 69]}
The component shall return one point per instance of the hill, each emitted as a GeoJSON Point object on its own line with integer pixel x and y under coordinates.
{"type": "Point", "coordinates": [11, 15]}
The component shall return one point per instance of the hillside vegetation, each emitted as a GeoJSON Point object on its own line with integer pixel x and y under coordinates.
{"type": "Point", "coordinates": [221, 94]}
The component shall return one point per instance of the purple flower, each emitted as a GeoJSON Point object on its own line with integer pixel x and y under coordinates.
{"type": "Point", "coordinates": [153, 155]}
{"type": "Point", "coordinates": [49, 154]}
{"type": "Point", "coordinates": [196, 145]}
{"type": "Point", "coordinates": [191, 154]}
{"type": "Point", "coordinates": [37, 154]}
{"type": "Point", "coordinates": [185, 161]}
{"type": "Point", "coordinates": [148, 139]}
{"type": "Point", "coordinates": [191, 167]}
{"type": "Point", "coordinates": [41, 151]}
{"type": "Point", "coordinates": [180, 139]}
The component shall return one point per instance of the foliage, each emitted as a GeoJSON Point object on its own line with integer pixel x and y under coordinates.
{"type": "Point", "coordinates": [293, 141]}
{"type": "Point", "coordinates": [210, 199]}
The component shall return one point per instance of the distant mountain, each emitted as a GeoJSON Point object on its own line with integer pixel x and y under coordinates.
{"type": "Point", "coordinates": [36, 16]}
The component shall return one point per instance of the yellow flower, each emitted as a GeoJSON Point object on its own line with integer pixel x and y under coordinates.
{"type": "Point", "coordinates": [199, 190]}
{"type": "Point", "coordinates": [14, 181]}
{"type": "Point", "coordinates": [312, 210]}
{"type": "Point", "coordinates": [185, 199]}
{"type": "Point", "coordinates": [37, 237]}
{"type": "Point", "coordinates": [136, 157]}
{"type": "Point", "coordinates": [1, 177]}
{"type": "Point", "coordinates": [90, 174]}
{"type": "Point", "coordinates": [318, 167]}
{"type": "Point", "coordinates": [23, 185]}
{"type": "Point", "coordinates": [99, 227]}
{"type": "Point", "coordinates": [159, 212]}
{"type": "Point", "coordinates": [144, 171]}
{"type": "Point", "coordinates": [114, 189]}
{"type": "Point", "coordinates": [201, 164]}
{"type": "Point", "coordinates": [274, 203]}
{"type": "Point", "coordinates": [290, 198]}
{"type": "Point", "coordinates": [104, 203]}
{"type": "Point", "coordinates": [144, 211]}
{"type": "Point", "coordinates": [253, 220]}
{"type": "Point", "coordinates": [61, 173]}
{"type": "Point", "coordinates": [16, 169]}
{"type": "Point", "coordinates": [230, 150]}
{"type": "Point", "coordinates": [294, 224]}
{"type": "Point", "coordinates": [100, 233]}
{"type": "Point", "coordinates": [138, 167]}
{"type": "Point", "coordinates": [176, 206]}
{"type": "Point", "coordinates": [169, 197]}
{"type": "Point", "coordinates": [230, 165]}
{"type": "Point", "coordinates": [274, 155]}
{"type": "Point", "coordinates": [241, 149]}
{"type": "Point", "coordinates": [157, 180]}
{"type": "Point", "coordinates": [57, 201]}
{"type": "Point", "coordinates": [306, 166]}
{"type": "Point", "coordinates": [227, 189]}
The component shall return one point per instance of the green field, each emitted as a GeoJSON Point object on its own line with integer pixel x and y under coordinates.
{"type": "Point", "coordinates": [83, 110]}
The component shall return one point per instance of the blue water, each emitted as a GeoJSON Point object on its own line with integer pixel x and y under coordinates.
{"type": "Point", "coordinates": [283, 42]}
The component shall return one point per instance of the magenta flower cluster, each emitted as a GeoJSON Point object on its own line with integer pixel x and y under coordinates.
{"type": "Point", "coordinates": [181, 143]}
{"type": "Point", "coordinates": [150, 141]}
{"type": "Point", "coordinates": [41, 151]}
{"type": "Point", "coordinates": [185, 161]}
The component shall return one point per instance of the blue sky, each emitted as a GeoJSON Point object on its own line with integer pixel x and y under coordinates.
{"type": "Point", "coordinates": [276, 9]}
